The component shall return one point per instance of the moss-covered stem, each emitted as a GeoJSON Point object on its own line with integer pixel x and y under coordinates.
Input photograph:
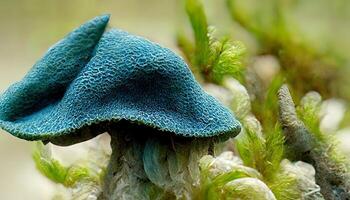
{"type": "Point", "coordinates": [333, 178]}
{"type": "Point", "coordinates": [125, 177]}
{"type": "Point", "coordinates": [146, 164]}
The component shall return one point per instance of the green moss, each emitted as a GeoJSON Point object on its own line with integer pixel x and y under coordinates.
{"type": "Point", "coordinates": [269, 24]}
{"type": "Point", "coordinates": [265, 106]}
{"type": "Point", "coordinates": [262, 154]}
{"type": "Point", "coordinates": [55, 171]}
{"type": "Point", "coordinates": [210, 57]}
{"type": "Point", "coordinates": [195, 12]}
{"type": "Point", "coordinates": [211, 187]}
{"type": "Point", "coordinates": [265, 155]}
{"type": "Point", "coordinates": [49, 167]}
{"type": "Point", "coordinates": [309, 112]}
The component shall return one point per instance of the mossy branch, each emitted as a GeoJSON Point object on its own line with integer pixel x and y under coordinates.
{"type": "Point", "coordinates": [331, 175]}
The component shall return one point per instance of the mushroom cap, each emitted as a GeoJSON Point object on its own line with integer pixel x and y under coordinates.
{"type": "Point", "coordinates": [128, 78]}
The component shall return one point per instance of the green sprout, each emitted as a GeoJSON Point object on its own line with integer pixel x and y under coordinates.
{"type": "Point", "coordinates": [81, 177]}
{"type": "Point", "coordinates": [209, 56]}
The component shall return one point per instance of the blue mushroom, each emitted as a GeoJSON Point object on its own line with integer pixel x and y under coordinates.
{"type": "Point", "coordinates": [23, 105]}
{"type": "Point", "coordinates": [87, 79]}
{"type": "Point", "coordinates": [94, 81]}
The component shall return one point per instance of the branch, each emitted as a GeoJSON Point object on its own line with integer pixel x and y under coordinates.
{"type": "Point", "coordinates": [330, 175]}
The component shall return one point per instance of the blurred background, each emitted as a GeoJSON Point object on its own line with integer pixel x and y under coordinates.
{"type": "Point", "coordinates": [30, 27]}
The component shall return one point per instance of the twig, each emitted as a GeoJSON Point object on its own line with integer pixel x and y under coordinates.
{"type": "Point", "coordinates": [332, 178]}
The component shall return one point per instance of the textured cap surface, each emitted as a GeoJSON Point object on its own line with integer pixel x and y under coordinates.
{"type": "Point", "coordinates": [128, 78]}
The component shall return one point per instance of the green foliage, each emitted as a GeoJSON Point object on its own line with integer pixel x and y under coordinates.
{"type": "Point", "coordinates": [214, 188]}
{"type": "Point", "coordinates": [199, 24]}
{"type": "Point", "coordinates": [251, 148]}
{"type": "Point", "coordinates": [57, 172]}
{"type": "Point", "coordinates": [212, 58]}
{"type": "Point", "coordinates": [268, 22]}
{"type": "Point", "coordinates": [224, 57]}
{"type": "Point", "coordinates": [211, 187]}
{"type": "Point", "coordinates": [48, 166]}
{"type": "Point", "coordinates": [186, 47]}
{"type": "Point", "coordinates": [227, 59]}
{"type": "Point", "coordinates": [265, 155]}
{"type": "Point", "coordinates": [266, 107]}
{"type": "Point", "coordinates": [274, 152]}
{"type": "Point", "coordinates": [309, 112]}
{"type": "Point", "coordinates": [75, 174]}
{"type": "Point", "coordinates": [262, 154]}
{"type": "Point", "coordinates": [284, 186]}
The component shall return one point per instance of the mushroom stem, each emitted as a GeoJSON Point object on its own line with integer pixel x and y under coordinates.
{"type": "Point", "coordinates": [125, 177]}
{"type": "Point", "coordinates": [152, 167]}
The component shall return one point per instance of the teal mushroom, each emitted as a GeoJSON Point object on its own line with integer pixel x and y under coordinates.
{"type": "Point", "coordinates": [142, 94]}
